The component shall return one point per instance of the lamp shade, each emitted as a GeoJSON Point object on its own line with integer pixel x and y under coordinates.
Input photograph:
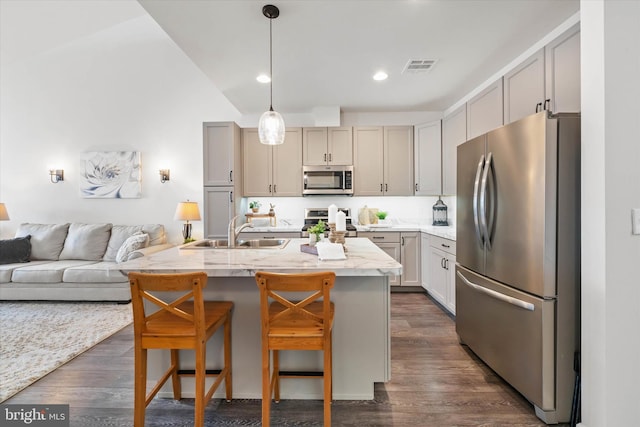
{"type": "Point", "coordinates": [187, 211]}
{"type": "Point", "coordinates": [4, 215]}
{"type": "Point", "coordinates": [271, 130]}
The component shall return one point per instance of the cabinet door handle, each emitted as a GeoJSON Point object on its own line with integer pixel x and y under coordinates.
{"type": "Point", "coordinates": [402, 241]}
{"type": "Point", "coordinates": [547, 104]}
{"type": "Point", "coordinates": [325, 157]}
{"type": "Point", "coordinates": [538, 107]}
{"type": "Point", "coordinates": [378, 237]}
{"type": "Point", "coordinates": [446, 264]}
{"type": "Point", "coordinates": [231, 196]}
{"type": "Point", "coordinates": [330, 158]}
{"type": "Point", "coordinates": [230, 176]}
{"type": "Point", "coordinates": [445, 246]}
{"type": "Point", "coordinates": [417, 188]}
{"type": "Point", "coordinates": [269, 188]}
{"type": "Point", "coordinates": [381, 188]}
{"type": "Point", "coordinates": [274, 188]}
{"type": "Point", "coordinates": [386, 187]}
{"type": "Point", "coordinates": [442, 262]}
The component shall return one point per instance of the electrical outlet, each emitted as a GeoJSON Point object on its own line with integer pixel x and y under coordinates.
{"type": "Point", "coordinates": [635, 221]}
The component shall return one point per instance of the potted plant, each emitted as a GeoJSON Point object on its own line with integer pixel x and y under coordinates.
{"type": "Point", "coordinates": [316, 233]}
{"type": "Point", "coordinates": [255, 206]}
{"type": "Point", "coordinates": [382, 215]}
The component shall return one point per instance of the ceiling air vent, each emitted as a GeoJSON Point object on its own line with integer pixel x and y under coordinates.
{"type": "Point", "coordinates": [419, 66]}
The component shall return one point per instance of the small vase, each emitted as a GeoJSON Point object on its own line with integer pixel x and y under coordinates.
{"type": "Point", "coordinates": [312, 239]}
{"type": "Point", "coordinates": [255, 210]}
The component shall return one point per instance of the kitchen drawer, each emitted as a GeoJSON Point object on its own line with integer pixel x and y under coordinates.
{"type": "Point", "coordinates": [381, 236]}
{"type": "Point", "coordinates": [445, 245]}
{"type": "Point", "coordinates": [250, 235]}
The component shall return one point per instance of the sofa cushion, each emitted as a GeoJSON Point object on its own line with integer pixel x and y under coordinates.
{"type": "Point", "coordinates": [50, 272]}
{"type": "Point", "coordinates": [119, 233]}
{"type": "Point", "coordinates": [156, 234]}
{"type": "Point", "coordinates": [47, 240]}
{"type": "Point", "coordinates": [15, 250]}
{"type": "Point", "coordinates": [99, 272]}
{"type": "Point", "coordinates": [86, 241]}
{"type": "Point", "coordinates": [6, 270]}
{"type": "Point", "coordinates": [137, 241]}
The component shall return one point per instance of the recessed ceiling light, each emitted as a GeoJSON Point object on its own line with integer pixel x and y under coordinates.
{"type": "Point", "coordinates": [380, 75]}
{"type": "Point", "coordinates": [263, 78]}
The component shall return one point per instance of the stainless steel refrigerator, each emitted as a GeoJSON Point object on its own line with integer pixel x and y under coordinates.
{"type": "Point", "coordinates": [518, 256]}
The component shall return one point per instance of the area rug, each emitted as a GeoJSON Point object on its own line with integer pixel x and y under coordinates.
{"type": "Point", "coordinates": [38, 337]}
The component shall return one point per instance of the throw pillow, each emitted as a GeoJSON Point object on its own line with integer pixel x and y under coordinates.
{"type": "Point", "coordinates": [15, 250]}
{"type": "Point", "coordinates": [137, 241]}
{"type": "Point", "coordinates": [47, 240]}
{"type": "Point", "coordinates": [86, 241]}
{"type": "Point", "coordinates": [119, 233]}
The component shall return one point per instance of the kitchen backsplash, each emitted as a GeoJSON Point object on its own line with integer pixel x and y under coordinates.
{"type": "Point", "coordinates": [400, 210]}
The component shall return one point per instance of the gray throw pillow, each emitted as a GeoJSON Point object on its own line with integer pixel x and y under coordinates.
{"type": "Point", "coordinates": [47, 240]}
{"type": "Point", "coordinates": [119, 233]}
{"type": "Point", "coordinates": [15, 250]}
{"type": "Point", "coordinates": [86, 241]}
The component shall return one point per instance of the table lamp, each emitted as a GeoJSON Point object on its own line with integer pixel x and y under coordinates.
{"type": "Point", "coordinates": [4, 215]}
{"type": "Point", "coordinates": [187, 211]}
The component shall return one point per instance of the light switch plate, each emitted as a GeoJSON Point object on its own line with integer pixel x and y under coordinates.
{"type": "Point", "coordinates": [635, 221]}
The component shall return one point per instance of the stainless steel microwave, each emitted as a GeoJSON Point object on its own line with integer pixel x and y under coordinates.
{"type": "Point", "coordinates": [327, 180]}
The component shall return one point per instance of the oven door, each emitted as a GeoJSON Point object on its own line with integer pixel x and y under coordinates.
{"type": "Point", "coordinates": [327, 180]}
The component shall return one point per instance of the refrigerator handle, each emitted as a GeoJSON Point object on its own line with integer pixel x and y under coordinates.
{"type": "Point", "coordinates": [476, 189]}
{"type": "Point", "coordinates": [483, 202]}
{"type": "Point", "coordinates": [497, 295]}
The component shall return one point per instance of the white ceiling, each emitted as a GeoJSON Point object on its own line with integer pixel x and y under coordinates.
{"type": "Point", "coordinates": [324, 51]}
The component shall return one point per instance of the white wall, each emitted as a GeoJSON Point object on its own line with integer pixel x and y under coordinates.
{"type": "Point", "coordinates": [124, 88]}
{"type": "Point", "coordinates": [610, 189]}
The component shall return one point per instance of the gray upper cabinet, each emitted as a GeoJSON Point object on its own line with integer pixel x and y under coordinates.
{"type": "Point", "coordinates": [562, 65]}
{"type": "Point", "coordinates": [270, 171]}
{"type": "Point", "coordinates": [454, 133]}
{"type": "Point", "coordinates": [427, 152]}
{"type": "Point", "coordinates": [549, 79]}
{"type": "Point", "coordinates": [221, 153]}
{"type": "Point", "coordinates": [484, 111]}
{"type": "Point", "coordinates": [383, 161]}
{"type": "Point", "coordinates": [327, 146]}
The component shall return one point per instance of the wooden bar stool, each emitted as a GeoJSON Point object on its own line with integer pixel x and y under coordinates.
{"type": "Point", "coordinates": [294, 325]}
{"type": "Point", "coordinates": [185, 323]}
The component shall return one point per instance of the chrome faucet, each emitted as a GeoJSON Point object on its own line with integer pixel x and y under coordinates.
{"type": "Point", "coordinates": [233, 232]}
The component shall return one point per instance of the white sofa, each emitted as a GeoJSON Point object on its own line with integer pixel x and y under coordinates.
{"type": "Point", "coordinates": [75, 262]}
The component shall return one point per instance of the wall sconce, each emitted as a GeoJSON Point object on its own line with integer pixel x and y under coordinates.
{"type": "Point", "coordinates": [57, 175]}
{"type": "Point", "coordinates": [165, 175]}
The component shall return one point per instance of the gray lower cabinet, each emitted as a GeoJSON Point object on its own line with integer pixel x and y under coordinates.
{"type": "Point", "coordinates": [442, 265]}
{"type": "Point", "coordinates": [219, 208]}
{"type": "Point", "coordinates": [404, 247]}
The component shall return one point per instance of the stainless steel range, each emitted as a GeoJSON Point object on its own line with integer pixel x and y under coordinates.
{"type": "Point", "coordinates": [313, 215]}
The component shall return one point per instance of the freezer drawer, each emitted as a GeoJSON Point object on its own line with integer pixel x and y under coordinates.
{"type": "Point", "coordinates": [510, 331]}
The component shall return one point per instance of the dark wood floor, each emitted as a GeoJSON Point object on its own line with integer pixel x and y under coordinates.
{"type": "Point", "coordinates": [435, 382]}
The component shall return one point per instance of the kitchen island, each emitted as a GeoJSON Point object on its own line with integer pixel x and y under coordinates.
{"type": "Point", "coordinates": [361, 336]}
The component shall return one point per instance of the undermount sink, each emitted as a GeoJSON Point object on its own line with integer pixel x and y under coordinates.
{"type": "Point", "coordinates": [242, 244]}
{"type": "Point", "coordinates": [263, 243]}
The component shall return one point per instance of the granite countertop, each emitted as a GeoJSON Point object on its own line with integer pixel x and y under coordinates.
{"type": "Point", "coordinates": [364, 258]}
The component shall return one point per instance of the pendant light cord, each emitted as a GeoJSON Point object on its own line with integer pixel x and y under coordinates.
{"type": "Point", "coordinates": [270, 65]}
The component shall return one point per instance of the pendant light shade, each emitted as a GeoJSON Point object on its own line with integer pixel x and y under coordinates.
{"type": "Point", "coordinates": [271, 130]}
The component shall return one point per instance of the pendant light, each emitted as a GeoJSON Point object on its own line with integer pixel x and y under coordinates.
{"type": "Point", "coordinates": [271, 129]}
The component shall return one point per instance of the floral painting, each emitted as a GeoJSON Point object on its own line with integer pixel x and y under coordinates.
{"type": "Point", "coordinates": [110, 175]}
